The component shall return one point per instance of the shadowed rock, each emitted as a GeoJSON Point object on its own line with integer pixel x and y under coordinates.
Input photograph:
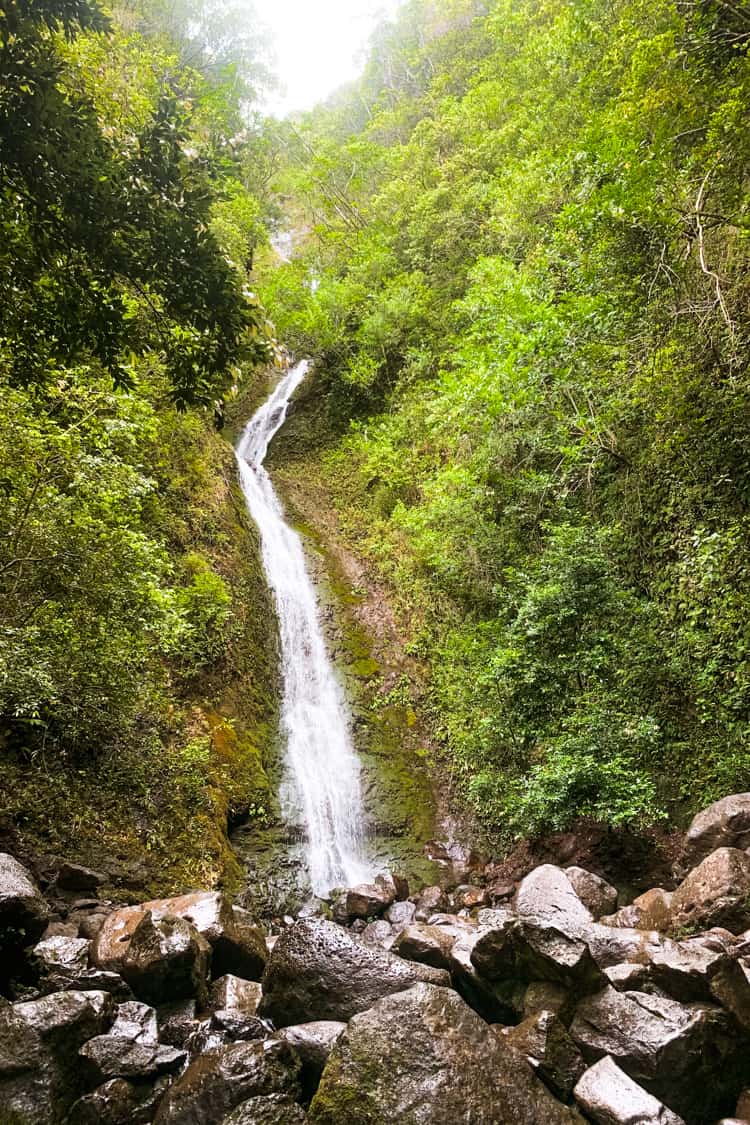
{"type": "Point", "coordinates": [596, 894]}
{"type": "Point", "coordinates": [167, 960]}
{"type": "Point", "coordinates": [549, 1050]}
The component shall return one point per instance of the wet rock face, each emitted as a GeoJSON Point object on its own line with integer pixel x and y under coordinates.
{"type": "Point", "coordinates": [167, 959]}
{"type": "Point", "coordinates": [40, 1072]}
{"type": "Point", "coordinates": [688, 1056]}
{"type": "Point", "coordinates": [423, 1055]}
{"type": "Point", "coordinates": [369, 900]}
{"type": "Point", "coordinates": [317, 971]}
{"type": "Point", "coordinates": [609, 1097]}
{"type": "Point", "coordinates": [725, 824]}
{"type": "Point", "coordinates": [716, 893]}
{"type": "Point", "coordinates": [218, 1082]}
{"type": "Point", "coordinates": [230, 993]}
{"type": "Point", "coordinates": [530, 948]}
{"type": "Point", "coordinates": [23, 911]}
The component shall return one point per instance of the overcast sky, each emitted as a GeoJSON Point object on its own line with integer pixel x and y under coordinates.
{"type": "Point", "coordinates": [318, 45]}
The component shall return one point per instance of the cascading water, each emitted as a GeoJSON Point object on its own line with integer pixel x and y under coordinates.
{"type": "Point", "coordinates": [321, 782]}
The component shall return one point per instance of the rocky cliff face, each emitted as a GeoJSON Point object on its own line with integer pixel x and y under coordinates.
{"type": "Point", "coordinates": [481, 1003]}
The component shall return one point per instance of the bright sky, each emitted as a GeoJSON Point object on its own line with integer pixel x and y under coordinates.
{"type": "Point", "coordinates": [318, 45]}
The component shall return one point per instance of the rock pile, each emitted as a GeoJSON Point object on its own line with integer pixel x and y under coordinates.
{"type": "Point", "coordinates": [544, 1004]}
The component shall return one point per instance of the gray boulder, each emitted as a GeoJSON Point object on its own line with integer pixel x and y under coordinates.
{"type": "Point", "coordinates": [547, 1047]}
{"type": "Point", "coordinates": [313, 1043]}
{"type": "Point", "coordinates": [429, 945]}
{"type": "Point", "coordinates": [431, 900]}
{"type": "Point", "coordinates": [74, 877]}
{"type": "Point", "coordinates": [610, 1097]}
{"type": "Point", "coordinates": [424, 1056]}
{"type": "Point", "coordinates": [401, 914]}
{"type": "Point", "coordinates": [23, 911]}
{"type": "Point", "coordinates": [547, 894]}
{"type": "Point", "coordinates": [274, 1110]}
{"type": "Point", "coordinates": [230, 993]}
{"type": "Point", "coordinates": [113, 1056]}
{"type": "Point", "coordinates": [536, 949]}
{"type": "Point", "coordinates": [725, 824]}
{"type": "Point", "coordinates": [596, 894]}
{"type": "Point", "coordinates": [369, 900]}
{"type": "Point", "coordinates": [716, 893]}
{"type": "Point", "coordinates": [216, 1083]}
{"type": "Point", "coordinates": [688, 1056]}
{"type": "Point", "coordinates": [136, 1022]}
{"type": "Point", "coordinates": [496, 1001]}
{"type": "Point", "coordinates": [379, 933]}
{"type": "Point", "coordinates": [318, 971]}
{"type": "Point", "coordinates": [167, 960]}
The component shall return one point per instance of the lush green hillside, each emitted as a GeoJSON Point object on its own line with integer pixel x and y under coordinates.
{"type": "Point", "coordinates": [529, 225]}
{"type": "Point", "coordinates": [137, 670]}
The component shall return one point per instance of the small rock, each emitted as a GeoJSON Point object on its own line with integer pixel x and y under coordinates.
{"type": "Point", "coordinates": [62, 956]}
{"type": "Point", "coordinates": [610, 1097]}
{"type": "Point", "coordinates": [547, 894]}
{"type": "Point", "coordinates": [466, 897]}
{"type": "Point", "coordinates": [118, 1102]}
{"type": "Point", "coordinates": [177, 1022]}
{"type": "Point", "coordinates": [368, 900]}
{"type": "Point", "coordinates": [379, 933]}
{"type": "Point", "coordinates": [596, 894]}
{"type": "Point", "coordinates": [234, 1026]}
{"type": "Point", "coordinates": [73, 877]}
{"type": "Point", "coordinates": [429, 945]}
{"type": "Point", "coordinates": [432, 900]}
{"type": "Point", "coordinates": [400, 914]}
{"type": "Point", "coordinates": [273, 1110]}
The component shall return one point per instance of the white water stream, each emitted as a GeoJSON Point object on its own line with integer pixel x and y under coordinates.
{"type": "Point", "coordinates": [321, 784]}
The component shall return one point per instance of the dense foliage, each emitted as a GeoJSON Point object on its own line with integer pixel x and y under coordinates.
{"type": "Point", "coordinates": [528, 231]}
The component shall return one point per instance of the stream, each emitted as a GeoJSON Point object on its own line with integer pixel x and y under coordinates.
{"type": "Point", "coordinates": [320, 792]}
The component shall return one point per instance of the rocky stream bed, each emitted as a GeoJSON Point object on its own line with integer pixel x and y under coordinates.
{"type": "Point", "coordinates": [545, 1002]}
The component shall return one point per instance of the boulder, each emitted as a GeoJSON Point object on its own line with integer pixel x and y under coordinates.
{"type": "Point", "coordinates": [688, 1056]}
{"type": "Point", "coordinates": [547, 894]}
{"type": "Point", "coordinates": [610, 1097]}
{"type": "Point", "coordinates": [230, 993]}
{"type": "Point", "coordinates": [113, 1056]}
{"type": "Point", "coordinates": [725, 824]}
{"type": "Point", "coordinates": [118, 1102]}
{"type": "Point", "coordinates": [431, 900]}
{"type": "Point", "coordinates": [716, 893]}
{"type": "Point", "coordinates": [313, 1043]}
{"type": "Point", "coordinates": [429, 945]}
{"type": "Point", "coordinates": [596, 894]}
{"type": "Point", "coordinates": [400, 914]}
{"type": "Point", "coordinates": [541, 996]}
{"type": "Point", "coordinates": [424, 1056]}
{"type": "Point", "coordinates": [61, 963]}
{"type": "Point", "coordinates": [136, 1022]}
{"type": "Point", "coordinates": [274, 1110]}
{"type": "Point", "coordinates": [74, 877]}
{"type": "Point", "coordinates": [369, 900]}
{"type": "Point", "coordinates": [236, 1025]}
{"type": "Point", "coordinates": [177, 1022]}
{"type": "Point", "coordinates": [533, 948]}
{"type": "Point", "coordinates": [167, 960]}
{"type": "Point", "coordinates": [216, 1083]}
{"type": "Point", "coordinates": [550, 1052]}
{"type": "Point", "coordinates": [318, 971]}
{"type": "Point", "coordinates": [23, 911]}
{"type": "Point", "coordinates": [379, 933]}
{"type": "Point", "coordinates": [236, 943]}
{"type": "Point", "coordinates": [467, 896]}
{"type": "Point", "coordinates": [495, 1001]}
{"type": "Point", "coordinates": [40, 1072]}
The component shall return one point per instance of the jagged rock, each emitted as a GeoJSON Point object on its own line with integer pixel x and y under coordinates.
{"type": "Point", "coordinates": [62, 956]}
{"type": "Point", "coordinates": [230, 993]}
{"type": "Point", "coordinates": [204, 1037]}
{"type": "Point", "coordinates": [543, 996]}
{"type": "Point", "coordinates": [627, 917]}
{"type": "Point", "coordinates": [467, 896]}
{"type": "Point", "coordinates": [400, 914]}
{"type": "Point", "coordinates": [532, 948]}
{"type": "Point", "coordinates": [113, 1056]}
{"type": "Point", "coordinates": [369, 900]}
{"type": "Point", "coordinates": [237, 1025]}
{"type": "Point", "coordinates": [547, 894]}
{"type": "Point", "coordinates": [313, 1043]}
{"type": "Point", "coordinates": [429, 945]}
{"type": "Point", "coordinates": [716, 893]}
{"type": "Point", "coordinates": [167, 959]}
{"type": "Point", "coordinates": [136, 1022]}
{"type": "Point", "coordinates": [216, 1083]}
{"type": "Point", "coordinates": [423, 1055]}
{"type": "Point", "coordinates": [610, 1097]}
{"type": "Point", "coordinates": [494, 1001]}
{"type": "Point", "coordinates": [379, 933]}
{"type": "Point", "coordinates": [549, 1050]}
{"type": "Point", "coordinates": [40, 1072]}
{"type": "Point", "coordinates": [596, 894]}
{"type": "Point", "coordinates": [74, 877]}
{"type": "Point", "coordinates": [23, 911]}
{"type": "Point", "coordinates": [119, 1102]}
{"type": "Point", "coordinates": [725, 824]}
{"type": "Point", "coordinates": [274, 1110]}
{"type": "Point", "coordinates": [393, 884]}
{"type": "Point", "coordinates": [177, 1022]}
{"type": "Point", "coordinates": [688, 1056]}
{"type": "Point", "coordinates": [431, 900]}
{"type": "Point", "coordinates": [650, 911]}
{"type": "Point", "coordinates": [237, 944]}
{"type": "Point", "coordinates": [318, 971]}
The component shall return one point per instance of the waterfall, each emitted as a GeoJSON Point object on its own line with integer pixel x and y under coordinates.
{"type": "Point", "coordinates": [321, 784]}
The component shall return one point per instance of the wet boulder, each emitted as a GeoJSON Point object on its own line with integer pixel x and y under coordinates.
{"type": "Point", "coordinates": [237, 1025]}
{"type": "Point", "coordinates": [547, 894]}
{"type": "Point", "coordinates": [118, 1102]}
{"type": "Point", "coordinates": [136, 1022]}
{"type": "Point", "coordinates": [23, 911]}
{"type": "Point", "coordinates": [40, 1072]}
{"type": "Point", "coordinates": [596, 894]}
{"type": "Point", "coordinates": [431, 900]}
{"type": "Point", "coordinates": [400, 914]}
{"type": "Point", "coordinates": [429, 945]}
{"type": "Point", "coordinates": [236, 942]}
{"type": "Point", "coordinates": [725, 824]}
{"type": "Point", "coordinates": [544, 1042]}
{"type": "Point", "coordinates": [544, 996]}
{"type": "Point", "coordinates": [533, 948]}
{"type": "Point", "coordinates": [177, 1022]}
{"type": "Point", "coordinates": [318, 971]}
{"type": "Point", "coordinates": [424, 1055]}
{"type": "Point", "coordinates": [167, 960]}
{"type": "Point", "coordinates": [379, 933]}
{"type": "Point", "coordinates": [273, 1110]}
{"type": "Point", "coordinates": [230, 993]}
{"type": "Point", "coordinates": [113, 1056]}
{"type": "Point", "coordinates": [496, 1001]}
{"type": "Point", "coordinates": [73, 877]}
{"type": "Point", "coordinates": [467, 897]}
{"type": "Point", "coordinates": [609, 1097]}
{"type": "Point", "coordinates": [716, 893]}
{"type": "Point", "coordinates": [688, 1056]}
{"type": "Point", "coordinates": [313, 1043]}
{"type": "Point", "coordinates": [368, 900]}
{"type": "Point", "coordinates": [650, 911]}
{"type": "Point", "coordinates": [221, 1080]}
